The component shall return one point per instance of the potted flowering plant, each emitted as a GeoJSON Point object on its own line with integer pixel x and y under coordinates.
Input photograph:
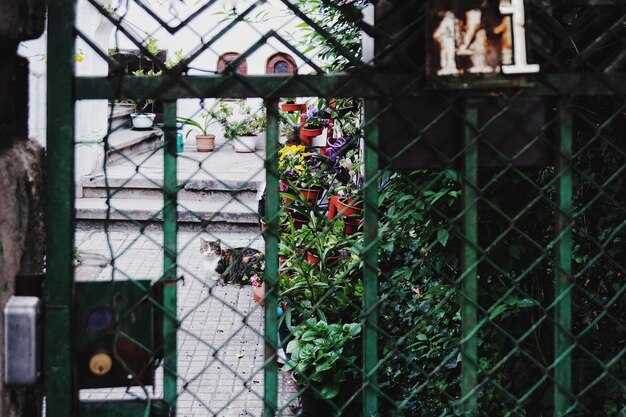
{"type": "Point", "coordinates": [258, 289]}
{"type": "Point", "coordinates": [346, 196]}
{"type": "Point", "coordinates": [303, 172]}
{"type": "Point", "coordinates": [313, 126]}
{"type": "Point", "coordinates": [241, 127]}
{"type": "Point", "coordinates": [205, 140]}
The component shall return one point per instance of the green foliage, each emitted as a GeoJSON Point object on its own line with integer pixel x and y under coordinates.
{"type": "Point", "coordinates": [242, 122]}
{"type": "Point", "coordinates": [338, 20]}
{"type": "Point", "coordinates": [324, 356]}
{"type": "Point", "coordinates": [202, 127]}
{"type": "Point", "coordinates": [421, 271]}
{"type": "Point", "coordinates": [419, 315]}
{"type": "Point", "coordinates": [314, 123]}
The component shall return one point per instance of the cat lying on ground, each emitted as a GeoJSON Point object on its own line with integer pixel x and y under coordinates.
{"type": "Point", "coordinates": [235, 265]}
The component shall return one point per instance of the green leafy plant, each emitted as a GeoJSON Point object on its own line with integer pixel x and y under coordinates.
{"type": "Point", "coordinates": [244, 122]}
{"type": "Point", "coordinates": [140, 105]}
{"type": "Point", "coordinates": [314, 123]}
{"type": "Point", "coordinates": [202, 127]}
{"type": "Point", "coordinates": [324, 356]}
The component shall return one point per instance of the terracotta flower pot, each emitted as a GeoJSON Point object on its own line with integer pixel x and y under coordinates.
{"type": "Point", "coordinates": [258, 293]}
{"type": "Point", "coordinates": [311, 132]}
{"type": "Point", "coordinates": [308, 195]}
{"type": "Point", "coordinates": [292, 107]}
{"type": "Point", "coordinates": [352, 225]}
{"type": "Point", "coordinates": [306, 140]}
{"type": "Point", "coordinates": [205, 143]}
{"type": "Point", "coordinates": [342, 205]}
{"type": "Point", "coordinates": [312, 258]}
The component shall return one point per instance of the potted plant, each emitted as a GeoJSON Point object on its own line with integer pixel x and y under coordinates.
{"type": "Point", "coordinates": [139, 117]}
{"type": "Point", "coordinates": [325, 361]}
{"type": "Point", "coordinates": [313, 126]}
{"type": "Point", "coordinates": [241, 128]}
{"type": "Point", "coordinates": [290, 127]}
{"type": "Point", "coordinates": [346, 195]}
{"type": "Point", "coordinates": [290, 106]}
{"type": "Point", "coordinates": [205, 140]}
{"type": "Point", "coordinates": [303, 174]}
{"type": "Point", "coordinates": [258, 289]}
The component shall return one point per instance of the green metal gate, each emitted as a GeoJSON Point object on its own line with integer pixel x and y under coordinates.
{"type": "Point", "coordinates": [493, 236]}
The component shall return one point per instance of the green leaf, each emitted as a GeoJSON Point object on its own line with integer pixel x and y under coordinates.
{"type": "Point", "coordinates": [442, 236]}
{"type": "Point", "coordinates": [497, 311]}
{"type": "Point", "coordinates": [329, 391]}
{"type": "Point", "coordinates": [526, 303]}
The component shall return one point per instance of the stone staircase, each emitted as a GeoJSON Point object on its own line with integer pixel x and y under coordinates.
{"type": "Point", "coordinates": [217, 190]}
{"type": "Point", "coordinates": [124, 141]}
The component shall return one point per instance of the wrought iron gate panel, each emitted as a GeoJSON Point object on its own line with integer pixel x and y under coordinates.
{"type": "Point", "coordinates": [486, 276]}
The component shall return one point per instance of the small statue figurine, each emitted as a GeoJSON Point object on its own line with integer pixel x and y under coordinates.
{"type": "Point", "coordinates": [445, 36]}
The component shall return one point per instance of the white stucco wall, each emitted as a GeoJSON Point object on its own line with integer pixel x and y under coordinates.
{"type": "Point", "coordinates": [91, 115]}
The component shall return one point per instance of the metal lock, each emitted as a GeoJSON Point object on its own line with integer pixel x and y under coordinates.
{"type": "Point", "coordinates": [22, 340]}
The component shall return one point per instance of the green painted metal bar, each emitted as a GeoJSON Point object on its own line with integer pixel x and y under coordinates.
{"type": "Point", "coordinates": [125, 408]}
{"type": "Point", "coordinates": [563, 342]}
{"type": "Point", "coordinates": [468, 299]}
{"type": "Point", "coordinates": [59, 381]}
{"type": "Point", "coordinates": [370, 257]}
{"type": "Point", "coordinates": [362, 84]}
{"type": "Point", "coordinates": [170, 229]}
{"type": "Point", "coordinates": [270, 371]}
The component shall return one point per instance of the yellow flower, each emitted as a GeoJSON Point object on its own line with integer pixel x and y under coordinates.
{"type": "Point", "coordinates": [78, 58]}
{"type": "Point", "coordinates": [299, 169]}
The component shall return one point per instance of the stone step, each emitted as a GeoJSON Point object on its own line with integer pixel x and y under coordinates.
{"type": "Point", "coordinates": [120, 118]}
{"type": "Point", "coordinates": [126, 143]}
{"type": "Point", "coordinates": [141, 210]}
{"type": "Point", "coordinates": [193, 190]}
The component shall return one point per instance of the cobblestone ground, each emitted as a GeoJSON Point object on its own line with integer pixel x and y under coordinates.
{"type": "Point", "coordinates": [220, 340]}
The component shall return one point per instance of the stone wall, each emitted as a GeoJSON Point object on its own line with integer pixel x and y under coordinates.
{"type": "Point", "coordinates": [22, 234]}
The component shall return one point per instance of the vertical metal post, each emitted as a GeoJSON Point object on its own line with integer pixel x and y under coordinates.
{"type": "Point", "coordinates": [170, 229]}
{"type": "Point", "coordinates": [270, 395]}
{"type": "Point", "coordinates": [563, 342]}
{"type": "Point", "coordinates": [468, 299]}
{"type": "Point", "coordinates": [370, 273]}
{"type": "Point", "coordinates": [59, 384]}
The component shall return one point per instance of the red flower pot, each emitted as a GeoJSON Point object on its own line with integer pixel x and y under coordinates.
{"type": "Point", "coordinates": [306, 140]}
{"type": "Point", "coordinates": [292, 107]}
{"type": "Point", "coordinates": [343, 206]}
{"type": "Point", "coordinates": [312, 258]}
{"type": "Point", "coordinates": [308, 195]}
{"type": "Point", "coordinates": [352, 225]}
{"type": "Point", "coordinates": [258, 293]}
{"type": "Point", "coordinates": [311, 132]}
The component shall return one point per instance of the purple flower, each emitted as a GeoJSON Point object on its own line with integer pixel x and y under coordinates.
{"type": "Point", "coordinates": [283, 186]}
{"type": "Point", "coordinates": [290, 172]}
{"type": "Point", "coordinates": [385, 182]}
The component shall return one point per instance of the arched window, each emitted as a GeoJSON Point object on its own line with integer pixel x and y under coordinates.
{"type": "Point", "coordinates": [227, 58]}
{"type": "Point", "coordinates": [281, 63]}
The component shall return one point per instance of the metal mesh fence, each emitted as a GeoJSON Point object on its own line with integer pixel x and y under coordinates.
{"type": "Point", "coordinates": [428, 226]}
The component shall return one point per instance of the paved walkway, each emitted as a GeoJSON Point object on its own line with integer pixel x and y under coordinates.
{"type": "Point", "coordinates": [220, 343]}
